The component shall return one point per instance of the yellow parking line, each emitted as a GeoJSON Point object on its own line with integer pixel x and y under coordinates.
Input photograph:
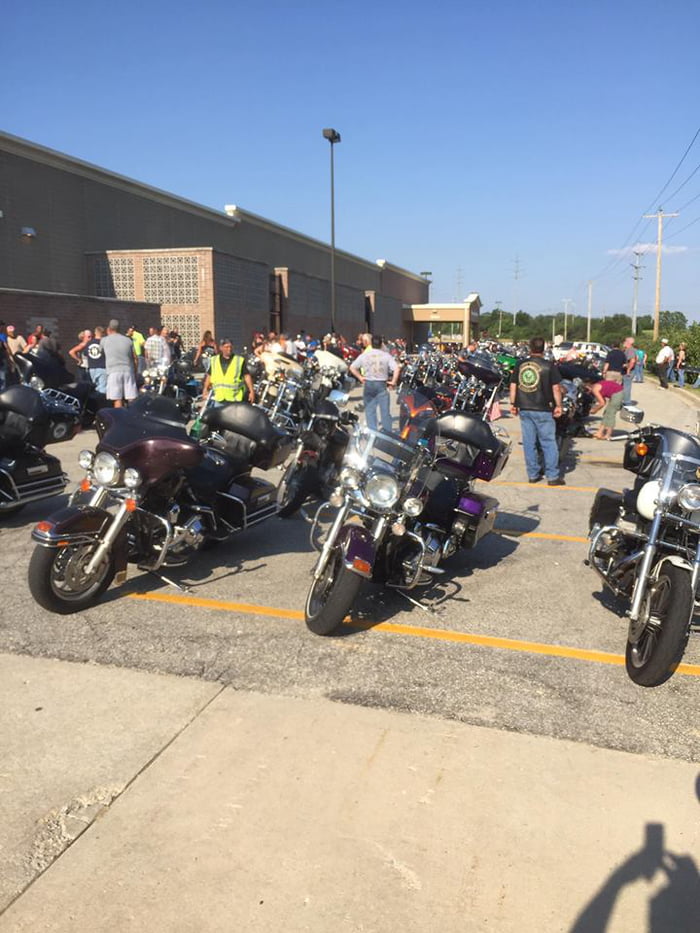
{"type": "Point", "coordinates": [539, 534]}
{"type": "Point", "coordinates": [413, 631]}
{"type": "Point", "coordinates": [548, 488]}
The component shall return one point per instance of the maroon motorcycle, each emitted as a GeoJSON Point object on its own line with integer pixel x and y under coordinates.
{"type": "Point", "coordinates": [153, 495]}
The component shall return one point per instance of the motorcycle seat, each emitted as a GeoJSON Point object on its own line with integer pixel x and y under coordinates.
{"type": "Point", "coordinates": [247, 420]}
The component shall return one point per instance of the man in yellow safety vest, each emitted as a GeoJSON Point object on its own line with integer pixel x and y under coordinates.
{"type": "Point", "coordinates": [228, 376]}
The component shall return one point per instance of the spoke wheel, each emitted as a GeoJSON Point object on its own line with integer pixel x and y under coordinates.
{"type": "Point", "coordinates": [657, 640]}
{"type": "Point", "coordinates": [58, 580]}
{"type": "Point", "coordinates": [294, 489]}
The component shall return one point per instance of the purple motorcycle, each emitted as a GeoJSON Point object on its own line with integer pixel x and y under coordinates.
{"type": "Point", "coordinates": [404, 504]}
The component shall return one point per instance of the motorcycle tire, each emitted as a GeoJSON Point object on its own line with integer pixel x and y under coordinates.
{"type": "Point", "coordinates": [331, 596]}
{"type": "Point", "coordinates": [653, 657]}
{"type": "Point", "coordinates": [294, 489]}
{"type": "Point", "coordinates": [57, 583]}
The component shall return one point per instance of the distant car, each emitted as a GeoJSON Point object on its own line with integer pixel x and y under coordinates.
{"type": "Point", "coordinates": [599, 349]}
{"type": "Point", "coordinates": [562, 349]}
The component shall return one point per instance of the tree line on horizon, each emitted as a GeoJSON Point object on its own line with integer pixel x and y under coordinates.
{"type": "Point", "coordinates": [673, 325]}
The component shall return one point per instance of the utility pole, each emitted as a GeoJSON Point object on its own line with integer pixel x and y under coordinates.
{"type": "Point", "coordinates": [590, 305]}
{"type": "Point", "coordinates": [516, 276]}
{"type": "Point", "coordinates": [500, 317]}
{"type": "Point", "coordinates": [657, 304]}
{"type": "Point", "coordinates": [637, 277]}
{"type": "Point", "coordinates": [567, 302]}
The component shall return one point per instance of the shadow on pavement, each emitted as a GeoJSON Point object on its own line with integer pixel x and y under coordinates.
{"type": "Point", "coordinates": [672, 908]}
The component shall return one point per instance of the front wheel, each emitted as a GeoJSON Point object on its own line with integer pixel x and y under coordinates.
{"type": "Point", "coordinates": [58, 581]}
{"type": "Point", "coordinates": [656, 642]}
{"type": "Point", "coordinates": [294, 489]}
{"type": "Point", "coordinates": [331, 596]}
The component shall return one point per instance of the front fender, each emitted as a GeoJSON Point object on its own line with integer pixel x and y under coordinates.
{"type": "Point", "coordinates": [80, 525]}
{"type": "Point", "coordinates": [359, 549]}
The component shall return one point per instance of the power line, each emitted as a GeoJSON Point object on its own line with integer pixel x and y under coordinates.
{"type": "Point", "coordinates": [613, 262]}
{"type": "Point", "coordinates": [673, 173]}
{"type": "Point", "coordinates": [678, 232]}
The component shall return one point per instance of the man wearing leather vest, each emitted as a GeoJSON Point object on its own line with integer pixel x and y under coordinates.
{"type": "Point", "coordinates": [228, 376]}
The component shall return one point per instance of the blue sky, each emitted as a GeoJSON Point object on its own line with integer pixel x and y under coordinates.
{"type": "Point", "coordinates": [472, 133]}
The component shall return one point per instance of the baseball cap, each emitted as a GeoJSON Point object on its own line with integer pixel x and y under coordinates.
{"type": "Point", "coordinates": [663, 340]}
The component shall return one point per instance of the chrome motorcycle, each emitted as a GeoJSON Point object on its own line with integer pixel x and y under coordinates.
{"type": "Point", "coordinates": [154, 496]}
{"type": "Point", "coordinates": [645, 544]}
{"type": "Point", "coordinates": [403, 506]}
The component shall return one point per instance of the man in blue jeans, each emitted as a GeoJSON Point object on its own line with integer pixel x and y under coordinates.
{"type": "Point", "coordinates": [373, 369]}
{"type": "Point", "coordinates": [535, 395]}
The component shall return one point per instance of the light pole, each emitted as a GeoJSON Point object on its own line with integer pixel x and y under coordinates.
{"type": "Point", "coordinates": [333, 136]}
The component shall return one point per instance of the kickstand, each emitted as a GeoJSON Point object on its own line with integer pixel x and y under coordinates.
{"type": "Point", "coordinates": [416, 603]}
{"type": "Point", "coordinates": [164, 579]}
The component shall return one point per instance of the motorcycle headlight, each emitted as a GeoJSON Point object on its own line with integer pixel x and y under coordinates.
{"type": "Point", "coordinates": [647, 498]}
{"type": "Point", "coordinates": [105, 469]}
{"type": "Point", "coordinates": [689, 497]}
{"type": "Point", "coordinates": [350, 477]}
{"type": "Point", "coordinates": [382, 490]}
{"type": "Point", "coordinates": [413, 507]}
{"type": "Point", "coordinates": [85, 459]}
{"type": "Point", "coordinates": [36, 383]}
{"type": "Point", "coordinates": [132, 478]}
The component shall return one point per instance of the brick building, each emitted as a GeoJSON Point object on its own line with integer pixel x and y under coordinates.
{"type": "Point", "coordinates": [68, 228]}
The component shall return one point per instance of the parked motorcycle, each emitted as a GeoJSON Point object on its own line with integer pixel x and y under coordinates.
{"type": "Point", "coordinates": [175, 380]}
{"type": "Point", "coordinates": [44, 372]}
{"type": "Point", "coordinates": [315, 466]}
{"type": "Point", "coordinates": [403, 506]}
{"type": "Point", "coordinates": [154, 496]}
{"type": "Point", "coordinates": [28, 423]}
{"type": "Point", "coordinates": [645, 544]}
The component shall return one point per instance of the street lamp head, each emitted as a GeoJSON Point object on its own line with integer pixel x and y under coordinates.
{"type": "Point", "coordinates": [333, 136]}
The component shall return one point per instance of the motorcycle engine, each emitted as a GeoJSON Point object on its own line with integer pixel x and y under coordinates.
{"type": "Point", "coordinates": [187, 539]}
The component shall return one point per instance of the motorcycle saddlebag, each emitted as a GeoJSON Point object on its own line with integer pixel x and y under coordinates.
{"type": "Point", "coordinates": [478, 514]}
{"type": "Point", "coordinates": [606, 508]}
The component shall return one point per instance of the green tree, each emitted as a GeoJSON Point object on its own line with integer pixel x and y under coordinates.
{"type": "Point", "coordinates": [672, 321]}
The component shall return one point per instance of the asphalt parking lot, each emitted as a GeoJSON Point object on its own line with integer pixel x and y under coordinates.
{"type": "Point", "coordinates": [517, 634]}
{"type": "Point", "coordinates": [516, 641]}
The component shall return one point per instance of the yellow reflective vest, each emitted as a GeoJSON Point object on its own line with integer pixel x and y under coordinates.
{"type": "Point", "coordinates": [228, 386]}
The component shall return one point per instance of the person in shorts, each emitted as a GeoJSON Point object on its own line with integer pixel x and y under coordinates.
{"type": "Point", "coordinates": [120, 364]}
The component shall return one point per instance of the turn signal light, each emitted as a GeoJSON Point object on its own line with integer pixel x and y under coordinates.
{"type": "Point", "coordinates": [130, 505]}
{"type": "Point", "coordinates": [85, 485]}
{"type": "Point", "coordinates": [362, 566]}
{"type": "Point", "coordinates": [641, 449]}
{"type": "Point", "coordinates": [45, 526]}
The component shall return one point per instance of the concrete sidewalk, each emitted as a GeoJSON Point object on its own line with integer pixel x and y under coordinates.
{"type": "Point", "coordinates": [236, 811]}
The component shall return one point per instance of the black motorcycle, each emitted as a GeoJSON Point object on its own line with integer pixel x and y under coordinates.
{"type": "Point", "coordinates": [28, 423]}
{"type": "Point", "coordinates": [315, 466]}
{"type": "Point", "coordinates": [44, 372]}
{"type": "Point", "coordinates": [154, 496]}
{"type": "Point", "coordinates": [402, 507]}
{"type": "Point", "coordinates": [645, 544]}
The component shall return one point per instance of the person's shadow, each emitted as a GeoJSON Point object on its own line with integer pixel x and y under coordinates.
{"type": "Point", "coordinates": [673, 908]}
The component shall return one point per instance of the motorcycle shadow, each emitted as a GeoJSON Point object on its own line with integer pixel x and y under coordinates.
{"type": "Point", "coordinates": [611, 603]}
{"type": "Point", "coordinates": [379, 604]}
{"type": "Point", "coordinates": [244, 553]}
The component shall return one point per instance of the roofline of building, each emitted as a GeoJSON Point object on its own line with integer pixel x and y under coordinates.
{"type": "Point", "coordinates": [36, 291]}
{"type": "Point", "coordinates": [52, 157]}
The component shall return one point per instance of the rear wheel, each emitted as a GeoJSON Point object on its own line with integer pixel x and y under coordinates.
{"type": "Point", "coordinates": [294, 489]}
{"type": "Point", "coordinates": [58, 581]}
{"type": "Point", "coordinates": [655, 643]}
{"type": "Point", "coordinates": [331, 596]}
